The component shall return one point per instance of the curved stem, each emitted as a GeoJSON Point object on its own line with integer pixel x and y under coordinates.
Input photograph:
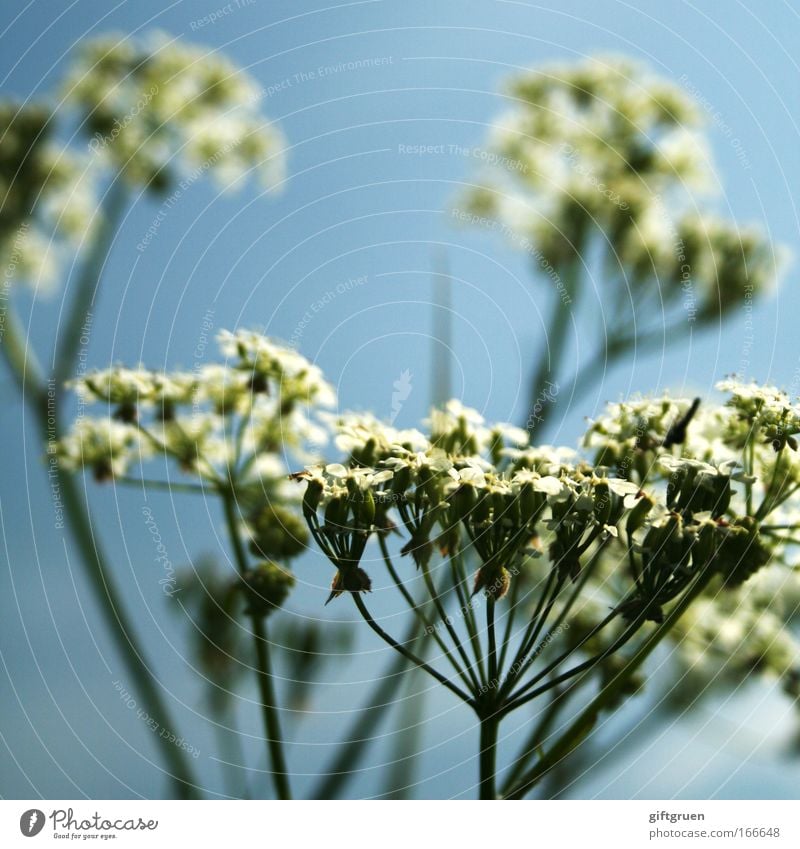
{"type": "Point", "coordinates": [518, 699]}
{"type": "Point", "coordinates": [88, 282]}
{"type": "Point", "coordinates": [513, 602]}
{"type": "Point", "coordinates": [269, 702]}
{"type": "Point", "coordinates": [366, 721]}
{"type": "Point", "coordinates": [546, 375]}
{"type": "Point", "coordinates": [23, 364]}
{"type": "Point", "coordinates": [584, 722]}
{"type": "Point", "coordinates": [454, 688]}
{"type": "Point", "coordinates": [535, 739]}
{"type": "Point", "coordinates": [533, 631]}
{"type": "Point", "coordinates": [167, 486]}
{"type": "Point", "coordinates": [468, 610]}
{"type": "Point", "coordinates": [436, 597]}
{"type": "Point", "coordinates": [468, 677]}
{"type": "Point", "coordinates": [109, 599]}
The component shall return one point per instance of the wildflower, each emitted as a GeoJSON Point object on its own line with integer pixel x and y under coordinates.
{"type": "Point", "coordinates": [267, 586]}
{"type": "Point", "coordinates": [157, 108]}
{"type": "Point", "coordinates": [46, 197]}
{"type": "Point", "coordinates": [105, 446]}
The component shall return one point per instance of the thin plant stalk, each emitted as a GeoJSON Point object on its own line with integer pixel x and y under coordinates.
{"type": "Point", "coordinates": [269, 702]}
{"type": "Point", "coordinates": [585, 721]}
{"type": "Point", "coordinates": [34, 391]}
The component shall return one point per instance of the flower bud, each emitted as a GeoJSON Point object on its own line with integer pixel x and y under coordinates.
{"type": "Point", "coordinates": [602, 503]}
{"type": "Point", "coordinates": [336, 513]}
{"type": "Point", "coordinates": [401, 480]}
{"type": "Point", "coordinates": [493, 579]}
{"type": "Point", "coordinates": [312, 497]}
{"type": "Point", "coordinates": [365, 508]}
{"type": "Point", "coordinates": [353, 579]}
{"type": "Point", "coordinates": [742, 553]}
{"type": "Point", "coordinates": [638, 514]}
{"type": "Point", "coordinates": [276, 533]}
{"type": "Point", "coordinates": [463, 500]}
{"type": "Point", "coordinates": [267, 587]}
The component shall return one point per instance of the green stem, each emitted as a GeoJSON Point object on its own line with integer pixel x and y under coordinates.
{"type": "Point", "coordinates": [468, 677]}
{"type": "Point", "coordinates": [585, 721]}
{"type": "Point", "coordinates": [269, 702]}
{"type": "Point", "coordinates": [270, 706]}
{"type": "Point", "coordinates": [436, 597]}
{"type": "Point", "coordinates": [109, 598]}
{"type": "Point", "coordinates": [490, 725]}
{"type": "Point", "coordinates": [365, 724]}
{"type": "Point", "coordinates": [167, 486]}
{"type": "Point", "coordinates": [550, 362]}
{"type": "Point", "coordinates": [87, 285]}
{"type": "Point", "coordinates": [360, 734]}
{"type": "Point", "coordinates": [23, 364]}
{"type": "Point", "coordinates": [535, 739]}
{"type": "Point", "coordinates": [468, 611]}
{"type": "Point", "coordinates": [454, 688]}
{"type": "Point", "coordinates": [493, 670]}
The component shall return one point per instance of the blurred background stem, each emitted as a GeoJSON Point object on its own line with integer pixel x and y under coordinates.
{"type": "Point", "coordinates": [34, 391]}
{"type": "Point", "coordinates": [269, 702]}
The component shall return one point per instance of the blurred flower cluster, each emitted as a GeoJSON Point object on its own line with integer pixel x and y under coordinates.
{"type": "Point", "coordinates": [602, 152]}
{"type": "Point", "coordinates": [159, 107]}
{"type": "Point", "coordinates": [46, 196]}
{"type": "Point", "coordinates": [155, 111]}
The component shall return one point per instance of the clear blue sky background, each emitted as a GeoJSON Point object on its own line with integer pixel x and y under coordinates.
{"type": "Point", "coordinates": [354, 205]}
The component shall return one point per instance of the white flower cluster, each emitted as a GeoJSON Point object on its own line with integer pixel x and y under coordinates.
{"type": "Point", "coordinates": [248, 416]}
{"type": "Point", "coordinates": [677, 487]}
{"type": "Point", "coordinates": [604, 149]}
{"type": "Point", "coordinates": [158, 107]}
{"type": "Point", "coordinates": [744, 627]}
{"type": "Point", "coordinates": [46, 197]}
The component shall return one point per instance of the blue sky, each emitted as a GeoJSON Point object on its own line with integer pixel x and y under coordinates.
{"type": "Point", "coordinates": [356, 207]}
